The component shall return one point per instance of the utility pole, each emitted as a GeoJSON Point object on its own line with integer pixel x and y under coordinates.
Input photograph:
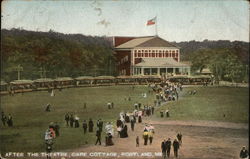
{"type": "Point", "coordinates": [44, 72]}
{"type": "Point", "coordinates": [110, 65]}
{"type": "Point", "coordinates": [41, 72]}
{"type": "Point", "coordinates": [19, 68]}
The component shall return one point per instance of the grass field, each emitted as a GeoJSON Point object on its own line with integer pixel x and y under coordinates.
{"type": "Point", "coordinates": [31, 121]}
{"type": "Point", "coordinates": [210, 103]}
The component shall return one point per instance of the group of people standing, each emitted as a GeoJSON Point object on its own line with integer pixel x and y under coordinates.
{"type": "Point", "coordinates": [167, 144]}
{"type": "Point", "coordinates": [7, 119]}
{"type": "Point", "coordinates": [148, 133]}
{"type": "Point", "coordinates": [72, 120]}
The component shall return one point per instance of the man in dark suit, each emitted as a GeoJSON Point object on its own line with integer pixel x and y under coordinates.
{"type": "Point", "coordinates": [176, 146]}
{"type": "Point", "coordinates": [164, 149]}
{"type": "Point", "coordinates": [84, 126]}
{"type": "Point", "coordinates": [168, 145]}
{"type": "Point", "coordinates": [98, 137]}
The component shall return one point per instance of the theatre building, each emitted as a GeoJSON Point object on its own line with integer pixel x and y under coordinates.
{"type": "Point", "coordinates": [148, 56]}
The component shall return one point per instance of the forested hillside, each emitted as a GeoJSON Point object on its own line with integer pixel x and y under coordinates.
{"type": "Point", "coordinates": [51, 54]}
{"type": "Point", "coordinates": [241, 48]}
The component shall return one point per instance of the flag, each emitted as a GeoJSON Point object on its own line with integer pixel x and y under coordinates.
{"type": "Point", "coordinates": [151, 21]}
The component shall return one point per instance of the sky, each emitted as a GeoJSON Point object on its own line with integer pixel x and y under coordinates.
{"type": "Point", "coordinates": [177, 20]}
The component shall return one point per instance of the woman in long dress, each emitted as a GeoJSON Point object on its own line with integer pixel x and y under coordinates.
{"type": "Point", "coordinates": [124, 132]}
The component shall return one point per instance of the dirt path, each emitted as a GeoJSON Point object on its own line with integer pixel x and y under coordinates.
{"type": "Point", "coordinates": [211, 124]}
{"type": "Point", "coordinates": [201, 140]}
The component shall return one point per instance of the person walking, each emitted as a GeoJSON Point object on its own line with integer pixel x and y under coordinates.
{"type": "Point", "coordinates": [71, 120]}
{"type": "Point", "coordinates": [164, 149]}
{"type": "Point", "coordinates": [145, 137]}
{"type": "Point", "coordinates": [132, 123]}
{"type": "Point", "coordinates": [176, 146]}
{"type": "Point", "coordinates": [84, 126]}
{"type": "Point", "coordinates": [57, 128]}
{"type": "Point", "coordinates": [98, 137]}
{"type": "Point", "coordinates": [168, 147]}
{"type": "Point", "coordinates": [4, 118]}
{"type": "Point", "coordinates": [244, 153]}
{"type": "Point", "coordinates": [10, 121]}
{"type": "Point", "coordinates": [66, 118]}
{"type": "Point", "coordinates": [150, 137]}
{"type": "Point", "coordinates": [179, 137]}
{"type": "Point", "coordinates": [91, 125]}
{"type": "Point", "coordinates": [137, 141]}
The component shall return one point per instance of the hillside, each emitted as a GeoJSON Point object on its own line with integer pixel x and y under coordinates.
{"type": "Point", "coordinates": [52, 54]}
{"type": "Point", "coordinates": [189, 47]}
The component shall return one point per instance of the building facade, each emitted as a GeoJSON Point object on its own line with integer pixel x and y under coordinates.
{"type": "Point", "coordinates": [148, 56]}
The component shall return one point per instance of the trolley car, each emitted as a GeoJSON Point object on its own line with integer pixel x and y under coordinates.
{"type": "Point", "coordinates": [84, 81]}
{"type": "Point", "coordinates": [44, 84]}
{"type": "Point", "coordinates": [18, 86]}
{"type": "Point", "coordinates": [64, 82]}
{"type": "Point", "coordinates": [104, 80]}
{"type": "Point", "coordinates": [3, 87]}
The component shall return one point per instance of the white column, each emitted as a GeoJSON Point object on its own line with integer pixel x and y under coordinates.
{"type": "Point", "coordinates": [142, 71]}
{"type": "Point", "coordinates": [158, 71]}
{"type": "Point", "coordinates": [173, 70]}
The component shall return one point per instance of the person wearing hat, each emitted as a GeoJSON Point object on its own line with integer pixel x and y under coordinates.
{"type": "Point", "coordinates": [176, 146]}
{"type": "Point", "coordinates": [145, 136]}
{"type": "Point", "coordinates": [84, 126]}
{"type": "Point", "coordinates": [243, 153]}
{"type": "Point", "coordinates": [168, 147]}
{"type": "Point", "coordinates": [164, 149]}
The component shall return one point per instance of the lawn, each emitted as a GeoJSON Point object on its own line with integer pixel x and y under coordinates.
{"type": "Point", "coordinates": [210, 103]}
{"type": "Point", "coordinates": [31, 121]}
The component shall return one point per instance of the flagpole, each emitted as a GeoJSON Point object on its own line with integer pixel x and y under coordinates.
{"type": "Point", "coordinates": [156, 34]}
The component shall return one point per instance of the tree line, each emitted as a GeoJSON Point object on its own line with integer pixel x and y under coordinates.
{"type": "Point", "coordinates": [51, 54]}
{"type": "Point", "coordinates": [226, 60]}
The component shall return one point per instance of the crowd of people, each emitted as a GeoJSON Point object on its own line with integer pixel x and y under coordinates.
{"type": "Point", "coordinates": [163, 94]}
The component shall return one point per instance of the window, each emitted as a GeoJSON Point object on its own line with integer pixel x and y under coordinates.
{"type": "Point", "coordinates": [142, 54]}
{"type": "Point", "coordinates": [146, 54]}
{"type": "Point", "coordinates": [135, 54]}
{"type": "Point", "coordinates": [173, 54]}
{"type": "Point", "coordinates": [153, 51]}
{"type": "Point", "coordinates": [166, 54]}
{"type": "Point", "coordinates": [177, 51]}
{"type": "Point", "coordinates": [160, 54]}
{"type": "Point", "coordinates": [139, 54]}
{"type": "Point", "coordinates": [153, 54]}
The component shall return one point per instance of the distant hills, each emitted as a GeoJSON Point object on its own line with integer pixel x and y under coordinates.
{"type": "Point", "coordinates": [76, 54]}
{"type": "Point", "coordinates": [189, 47]}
